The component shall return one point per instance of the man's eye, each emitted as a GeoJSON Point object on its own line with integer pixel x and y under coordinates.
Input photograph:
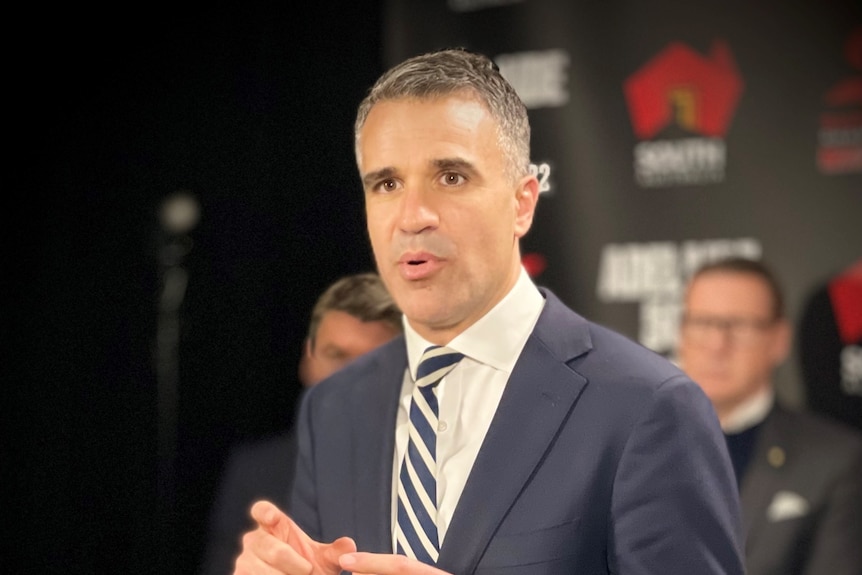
{"type": "Point", "coordinates": [452, 179]}
{"type": "Point", "coordinates": [388, 185]}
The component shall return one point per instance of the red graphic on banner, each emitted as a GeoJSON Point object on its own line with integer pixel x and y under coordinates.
{"type": "Point", "coordinates": [845, 291]}
{"type": "Point", "coordinates": [840, 148]}
{"type": "Point", "coordinates": [678, 84]}
{"type": "Point", "coordinates": [534, 263]}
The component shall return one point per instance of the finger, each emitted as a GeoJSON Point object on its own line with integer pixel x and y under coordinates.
{"type": "Point", "coordinates": [271, 519]}
{"type": "Point", "coordinates": [250, 564]}
{"type": "Point", "coordinates": [263, 552]}
{"type": "Point", "coordinates": [280, 542]}
{"type": "Point", "coordinates": [265, 512]}
{"type": "Point", "coordinates": [330, 554]}
{"type": "Point", "coordinates": [274, 521]}
{"type": "Point", "coordinates": [385, 564]}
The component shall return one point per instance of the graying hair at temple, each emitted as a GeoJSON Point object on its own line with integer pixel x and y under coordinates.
{"type": "Point", "coordinates": [447, 72]}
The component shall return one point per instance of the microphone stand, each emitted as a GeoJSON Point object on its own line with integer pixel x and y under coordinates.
{"type": "Point", "coordinates": [179, 214]}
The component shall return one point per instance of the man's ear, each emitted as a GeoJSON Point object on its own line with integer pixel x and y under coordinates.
{"type": "Point", "coordinates": [782, 342]}
{"type": "Point", "coordinates": [526, 198]}
{"type": "Point", "coordinates": [304, 364]}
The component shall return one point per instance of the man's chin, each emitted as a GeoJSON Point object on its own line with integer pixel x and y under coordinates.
{"type": "Point", "coordinates": [433, 313]}
{"type": "Point", "coordinates": [715, 389]}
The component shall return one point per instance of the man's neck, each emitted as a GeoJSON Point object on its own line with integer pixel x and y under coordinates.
{"type": "Point", "coordinates": [748, 413]}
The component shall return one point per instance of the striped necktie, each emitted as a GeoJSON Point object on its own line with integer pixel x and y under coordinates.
{"type": "Point", "coordinates": [416, 532]}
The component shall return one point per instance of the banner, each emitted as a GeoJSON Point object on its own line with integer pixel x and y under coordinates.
{"type": "Point", "coordinates": [667, 134]}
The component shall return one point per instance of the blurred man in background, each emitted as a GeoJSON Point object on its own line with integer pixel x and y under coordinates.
{"type": "Point", "coordinates": [351, 317]}
{"type": "Point", "coordinates": [799, 474]}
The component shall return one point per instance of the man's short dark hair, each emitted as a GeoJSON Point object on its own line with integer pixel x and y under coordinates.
{"type": "Point", "coordinates": [361, 295]}
{"type": "Point", "coordinates": [758, 268]}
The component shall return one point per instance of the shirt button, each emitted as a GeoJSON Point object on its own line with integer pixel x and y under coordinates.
{"type": "Point", "coordinates": [441, 426]}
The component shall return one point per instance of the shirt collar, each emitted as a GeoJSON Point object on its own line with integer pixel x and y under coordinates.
{"type": "Point", "coordinates": [497, 338]}
{"type": "Point", "coordinates": [749, 413]}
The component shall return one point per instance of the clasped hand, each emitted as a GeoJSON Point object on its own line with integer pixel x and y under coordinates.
{"type": "Point", "coordinates": [278, 545]}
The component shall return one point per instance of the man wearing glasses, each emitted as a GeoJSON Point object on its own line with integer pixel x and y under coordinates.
{"type": "Point", "coordinates": [799, 474]}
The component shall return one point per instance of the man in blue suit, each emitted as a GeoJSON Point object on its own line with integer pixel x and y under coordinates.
{"type": "Point", "coordinates": [561, 446]}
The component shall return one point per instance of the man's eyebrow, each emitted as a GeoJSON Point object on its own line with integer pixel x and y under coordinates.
{"type": "Point", "coordinates": [453, 164]}
{"type": "Point", "coordinates": [371, 178]}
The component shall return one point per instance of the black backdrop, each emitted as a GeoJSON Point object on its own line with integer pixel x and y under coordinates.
{"type": "Point", "coordinates": [251, 110]}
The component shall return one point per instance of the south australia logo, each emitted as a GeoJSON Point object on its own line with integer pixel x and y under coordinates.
{"type": "Point", "coordinates": [840, 135]}
{"type": "Point", "coordinates": [681, 104]}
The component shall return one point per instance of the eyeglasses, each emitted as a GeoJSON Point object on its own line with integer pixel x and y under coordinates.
{"type": "Point", "coordinates": [742, 331]}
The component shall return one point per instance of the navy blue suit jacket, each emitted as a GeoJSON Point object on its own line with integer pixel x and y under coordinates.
{"type": "Point", "coordinates": [602, 457]}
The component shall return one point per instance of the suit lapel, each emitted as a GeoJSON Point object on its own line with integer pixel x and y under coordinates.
{"type": "Point", "coordinates": [761, 479]}
{"type": "Point", "coordinates": [374, 420]}
{"type": "Point", "coordinates": [541, 390]}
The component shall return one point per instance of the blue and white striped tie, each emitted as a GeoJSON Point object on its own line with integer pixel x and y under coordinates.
{"type": "Point", "coordinates": [416, 532]}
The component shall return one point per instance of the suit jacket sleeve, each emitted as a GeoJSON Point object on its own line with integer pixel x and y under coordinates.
{"type": "Point", "coordinates": [674, 494]}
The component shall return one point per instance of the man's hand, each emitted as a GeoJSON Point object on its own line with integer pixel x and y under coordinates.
{"type": "Point", "coordinates": [384, 564]}
{"type": "Point", "coordinates": [278, 545]}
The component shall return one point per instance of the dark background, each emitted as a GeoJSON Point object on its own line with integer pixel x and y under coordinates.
{"type": "Point", "coordinates": [251, 110]}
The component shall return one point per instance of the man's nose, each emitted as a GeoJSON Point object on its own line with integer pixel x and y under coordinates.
{"type": "Point", "coordinates": [417, 211]}
{"type": "Point", "coordinates": [718, 336]}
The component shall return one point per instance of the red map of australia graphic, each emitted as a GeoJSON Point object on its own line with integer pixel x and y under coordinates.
{"type": "Point", "coordinates": [679, 85]}
{"type": "Point", "coordinates": [840, 145]}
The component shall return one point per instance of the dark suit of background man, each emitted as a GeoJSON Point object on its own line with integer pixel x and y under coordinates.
{"type": "Point", "coordinates": [800, 474]}
{"type": "Point", "coordinates": [351, 317]}
{"type": "Point", "coordinates": [562, 447]}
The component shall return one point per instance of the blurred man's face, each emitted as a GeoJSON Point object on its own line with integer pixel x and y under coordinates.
{"type": "Point", "coordinates": [340, 339]}
{"type": "Point", "coordinates": [730, 343]}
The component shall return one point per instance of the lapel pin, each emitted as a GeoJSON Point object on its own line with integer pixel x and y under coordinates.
{"type": "Point", "coordinates": [775, 456]}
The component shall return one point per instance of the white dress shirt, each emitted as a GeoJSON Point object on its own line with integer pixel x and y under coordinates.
{"type": "Point", "coordinates": [469, 394]}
